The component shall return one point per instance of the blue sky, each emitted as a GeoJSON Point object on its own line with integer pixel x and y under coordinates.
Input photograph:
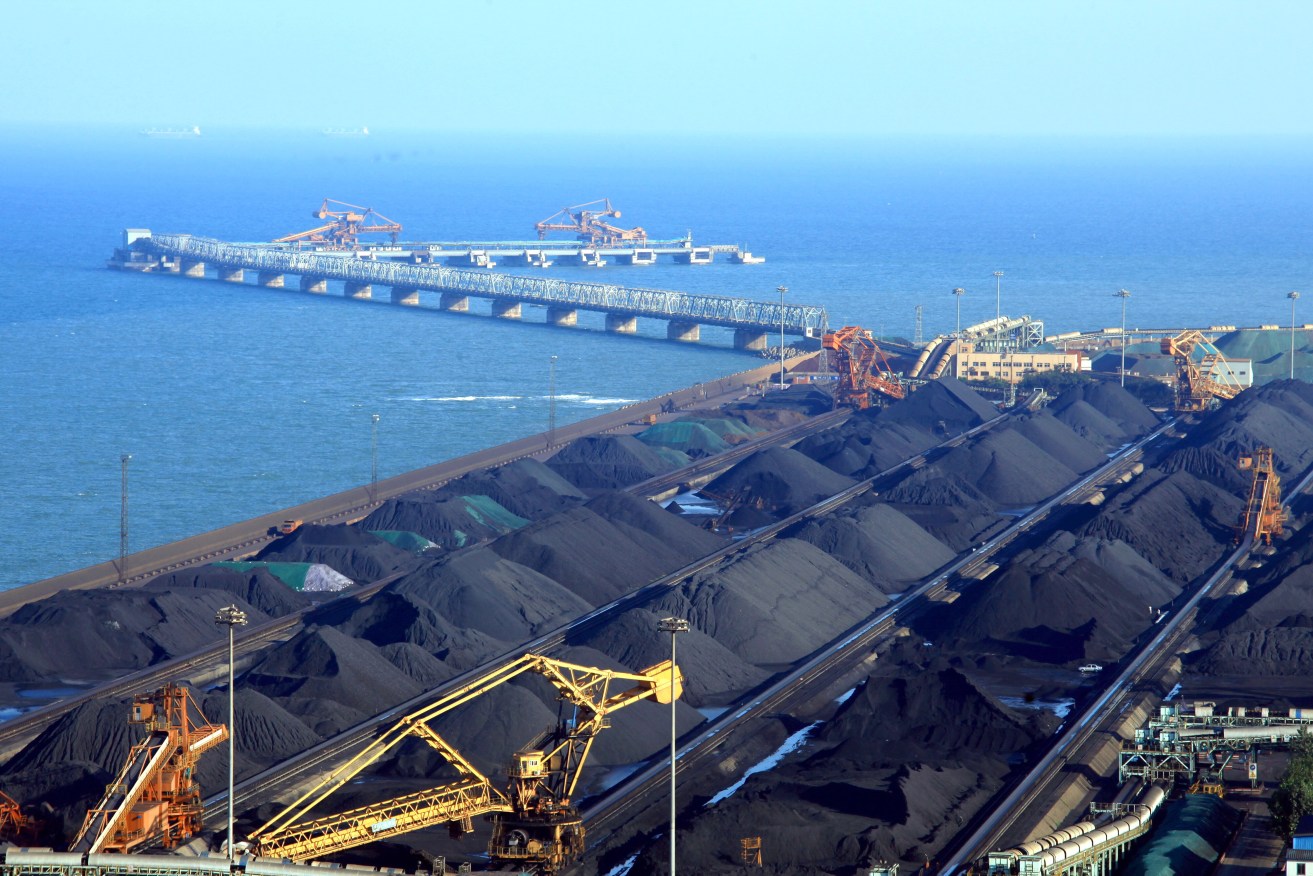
{"type": "Point", "coordinates": [914, 67]}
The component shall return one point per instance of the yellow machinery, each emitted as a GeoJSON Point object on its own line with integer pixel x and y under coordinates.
{"type": "Point", "coordinates": [534, 822]}
{"type": "Point", "coordinates": [1264, 515]}
{"type": "Point", "coordinates": [14, 825]}
{"type": "Point", "coordinates": [344, 227]}
{"type": "Point", "coordinates": [862, 367]}
{"type": "Point", "coordinates": [155, 798]}
{"type": "Point", "coordinates": [1199, 385]}
{"type": "Point", "coordinates": [587, 221]}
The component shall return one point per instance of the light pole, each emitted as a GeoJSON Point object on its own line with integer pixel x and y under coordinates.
{"type": "Point", "coordinates": [781, 290]}
{"type": "Point", "coordinates": [998, 295]}
{"type": "Point", "coordinates": [674, 626]}
{"type": "Point", "coordinates": [123, 517]}
{"type": "Point", "coordinates": [373, 455]}
{"type": "Point", "coordinates": [231, 616]}
{"type": "Point", "coordinates": [957, 332]}
{"type": "Point", "coordinates": [551, 402]}
{"type": "Point", "coordinates": [1293, 296]}
{"type": "Point", "coordinates": [1123, 295]}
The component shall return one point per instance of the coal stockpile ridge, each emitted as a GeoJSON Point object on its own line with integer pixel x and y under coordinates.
{"type": "Point", "coordinates": [589, 555]}
{"type": "Point", "coordinates": [889, 720]}
{"type": "Point", "coordinates": [95, 732]}
{"type": "Point", "coordinates": [105, 633]}
{"type": "Point", "coordinates": [866, 444]}
{"type": "Point", "coordinates": [946, 406]}
{"type": "Point", "coordinates": [448, 521]}
{"type": "Point", "coordinates": [1113, 401]}
{"type": "Point", "coordinates": [1006, 467]}
{"type": "Point", "coordinates": [1122, 563]}
{"type": "Point", "coordinates": [1176, 521]}
{"type": "Point", "coordinates": [780, 479]}
{"type": "Point", "coordinates": [608, 462]}
{"type": "Point", "coordinates": [417, 663]}
{"type": "Point", "coordinates": [879, 543]}
{"type": "Point", "coordinates": [257, 587]}
{"type": "Point", "coordinates": [777, 409]}
{"type": "Point", "coordinates": [1059, 441]}
{"type": "Point", "coordinates": [390, 617]}
{"type": "Point", "coordinates": [479, 590]}
{"type": "Point", "coordinates": [1284, 651]}
{"type": "Point", "coordinates": [1279, 415]}
{"type": "Point", "coordinates": [1046, 606]}
{"type": "Point", "coordinates": [330, 677]}
{"type": "Point", "coordinates": [525, 487]}
{"type": "Point", "coordinates": [66, 791]}
{"type": "Point", "coordinates": [774, 603]}
{"type": "Point", "coordinates": [652, 528]}
{"type": "Point", "coordinates": [713, 674]}
{"type": "Point", "coordinates": [950, 509]}
{"type": "Point", "coordinates": [350, 550]}
{"type": "Point", "coordinates": [1092, 424]}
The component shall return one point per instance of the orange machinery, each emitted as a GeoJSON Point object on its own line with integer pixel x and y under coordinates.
{"type": "Point", "coordinates": [587, 223]}
{"type": "Point", "coordinates": [1199, 385]}
{"type": "Point", "coordinates": [862, 367]}
{"type": "Point", "coordinates": [344, 227]}
{"type": "Point", "coordinates": [1264, 514]}
{"type": "Point", "coordinates": [14, 825]}
{"type": "Point", "coordinates": [155, 798]}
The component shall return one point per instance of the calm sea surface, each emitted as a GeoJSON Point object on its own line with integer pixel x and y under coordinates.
{"type": "Point", "coordinates": [238, 401]}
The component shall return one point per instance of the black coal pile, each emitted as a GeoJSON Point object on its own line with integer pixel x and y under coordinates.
{"type": "Point", "coordinates": [448, 521]}
{"type": "Point", "coordinates": [98, 634]}
{"type": "Point", "coordinates": [256, 587]}
{"type": "Point", "coordinates": [1121, 562]}
{"type": "Point", "coordinates": [329, 679]}
{"type": "Point", "coordinates": [479, 590]}
{"type": "Point", "coordinates": [600, 560]}
{"type": "Point", "coordinates": [1059, 441]}
{"type": "Point", "coordinates": [951, 510]}
{"type": "Point", "coordinates": [608, 462]}
{"type": "Point", "coordinates": [713, 675]}
{"type": "Point", "coordinates": [1045, 605]}
{"type": "Point", "coordinates": [266, 734]}
{"type": "Point", "coordinates": [350, 550]}
{"type": "Point", "coordinates": [879, 543]}
{"type": "Point", "coordinates": [743, 604]}
{"type": "Point", "coordinates": [779, 479]}
{"type": "Point", "coordinates": [1006, 468]}
{"type": "Point", "coordinates": [946, 407]}
{"type": "Point", "coordinates": [525, 487]}
{"type": "Point", "coordinates": [779, 408]}
{"type": "Point", "coordinates": [1104, 413]}
{"type": "Point", "coordinates": [1177, 522]}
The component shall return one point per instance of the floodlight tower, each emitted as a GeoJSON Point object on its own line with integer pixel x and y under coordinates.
{"type": "Point", "coordinates": [1123, 295]}
{"type": "Point", "coordinates": [1293, 296]}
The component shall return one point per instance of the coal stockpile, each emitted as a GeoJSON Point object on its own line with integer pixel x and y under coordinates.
{"type": "Point", "coordinates": [780, 480]}
{"type": "Point", "coordinates": [609, 462]}
{"type": "Point", "coordinates": [1045, 605]}
{"type": "Point", "coordinates": [350, 550]}
{"type": "Point", "coordinates": [777, 409]}
{"type": "Point", "coordinates": [391, 618]}
{"type": "Point", "coordinates": [1060, 441]}
{"type": "Point", "coordinates": [1111, 400]}
{"type": "Point", "coordinates": [1006, 468]}
{"type": "Point", "coordinates": [1177, 522]}
{"type": "Point", "coordinates": [257, 587]}
{"type": "Point", "coordinates": [525, 487]}
{"type": "Point", "coordinates": [478, 590]}
{"type": "Point", "coordinates": [1279, 416]}
{"type": "Point", "coordinates": [774, 603]}
{"type": "Point", "coordinates": [600, 560]}
{"type": "Point", "coordinates": [952, 511]}
{"type": "Point", "coordinates": [448, 521]}
{"type": "Point", "coordinates": [945, 406]}
{"type": "Point", "coordinates": [879, 543]}
{"type": "Point", "coordinates": [98, 634]}
{"type": "Point", "coordinates": [1121, 562]}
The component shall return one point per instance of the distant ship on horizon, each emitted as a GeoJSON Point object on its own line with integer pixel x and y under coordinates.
{"type": "Point", "coordinates": [346, 132]}
{"type": "Point", "coordinates": [193, 131]}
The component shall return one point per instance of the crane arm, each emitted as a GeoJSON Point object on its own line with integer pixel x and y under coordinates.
{"type": "Point", "coordinates": [312, 234]}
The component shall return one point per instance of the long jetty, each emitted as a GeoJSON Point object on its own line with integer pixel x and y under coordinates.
{"type": "Point", "coordinates": [753, 322]}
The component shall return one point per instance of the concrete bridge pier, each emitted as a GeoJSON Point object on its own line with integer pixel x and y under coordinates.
{"type": "Point", "coordinates": [317, 285]}
{"type": "Point", "coordinates": [683, 331]}
{"type": "Point", "coordinates": [590, 258]}
{"type": "Point", "coordinates": [639, 257]}
{"type": "Point", "coordinates": [231, 275]}
{"type": "Point", "coordinates": [749, 339]}
{"type": "Point", "coordinates": [270, 279]}
{"type": "Point", "coordinates": [363, 291]}
{"type": "Point", "coordinates": [506, 309]}
{"type": "Point", "coordinates": [533, 258]}
{"type": "Point", "coordinates": [621, 323]}
{"type": "Point", "coordinates": [455, 302]}
{"type": "Point", "coordinates": [190, 268]}
{"type": "Point", "coordinates": [403, 295]}
{"type": "Point", "coordinates": [563, 316]}
{"type": "Point", "coordinates": [473, 259]}
{"type": "Point", "coordinates": [696, 256]}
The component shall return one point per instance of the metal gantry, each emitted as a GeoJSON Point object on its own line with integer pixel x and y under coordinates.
{"type": "Point", "coordinates": [723, 310]}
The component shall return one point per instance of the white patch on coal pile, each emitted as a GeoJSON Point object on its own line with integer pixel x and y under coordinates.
{"type": "Point", "coordinates": [623, 868]}
{"type": "Point", "coordinates": [845, 696]}
{"type": "Point", "coordinates": [1171, 694]}
{"type": "Point", "coordinates": [693, 503]}
{"type": "Point", "coordinates": [711, 713]}
{"type": "Point", "coordinates": [1061, 708]}
{"type": "Point", "coordinates": [617, 775]}
{"type": "Point", "coordinates": [792, 744]}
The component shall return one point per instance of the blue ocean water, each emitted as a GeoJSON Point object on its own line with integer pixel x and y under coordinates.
{"type": "Point", "coordinates": [236, 401]}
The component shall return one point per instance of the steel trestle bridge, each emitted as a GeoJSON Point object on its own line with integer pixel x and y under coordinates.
{"type": "Point", "coordinates": [755, 319]}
